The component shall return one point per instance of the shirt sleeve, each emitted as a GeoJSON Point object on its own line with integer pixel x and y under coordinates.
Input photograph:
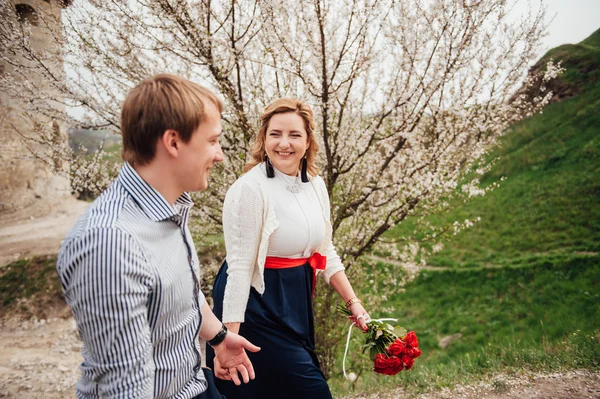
{"type": "Point", "coordinates": [334, 262]}
{"type": "Point", "coordinates": [107, 283]}
{"type": "Point", "coordinates": [242, 229]}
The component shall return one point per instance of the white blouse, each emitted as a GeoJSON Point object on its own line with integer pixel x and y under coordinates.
{"type": "Point", "coordinates": [301, 226]}
{"type": "Point", "coordinates": [250, 219]}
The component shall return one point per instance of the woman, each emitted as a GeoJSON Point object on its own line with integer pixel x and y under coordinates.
{"type": "Point", "coordinates": [276, 221]}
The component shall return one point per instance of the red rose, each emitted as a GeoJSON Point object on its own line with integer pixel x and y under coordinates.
{"type": "Point", "coordinates": [380, 363]}
{"type": "Point", "coordinates": [411, 340]}
{"type": "Point", "coordinates": [396, 348]}
{"type": "Point", "coordinates": [395, 366]}
{"type": "Point", "coordinates": [414, 352]}
{"type": "Point", "coordinates": [408, 363]}
{"type": "Point", "coordinates": [387, 365]}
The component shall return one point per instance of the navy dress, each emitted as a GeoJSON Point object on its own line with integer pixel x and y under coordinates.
{"type": "Point", "coordinates": [281, 323]}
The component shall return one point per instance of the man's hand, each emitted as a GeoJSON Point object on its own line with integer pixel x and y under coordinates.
{"type": "Point", "coordinates": [220, 372]}
{"type": "Point", "coordinates": [231, 359]}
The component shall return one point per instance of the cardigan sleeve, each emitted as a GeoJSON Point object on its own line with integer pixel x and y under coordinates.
{"type": "Point", "coordinates": [334, 263]}
{"type": "Point", "coordinates": [242, 226]}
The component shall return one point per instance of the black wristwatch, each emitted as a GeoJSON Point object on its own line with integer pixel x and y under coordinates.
{"type": "Point", "coordinates": [220, 337]}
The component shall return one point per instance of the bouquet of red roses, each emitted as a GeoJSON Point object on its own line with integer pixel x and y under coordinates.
{"type": "Point", "coordinates": [392, 348]}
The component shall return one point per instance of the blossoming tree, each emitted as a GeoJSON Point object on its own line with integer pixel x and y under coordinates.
{"type": "Point", "coordinates": [409, 96]}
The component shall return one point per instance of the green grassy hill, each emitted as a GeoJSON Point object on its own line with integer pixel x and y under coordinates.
{"type": "Point", "coordinates": [521, 289]}
{"type": "Point", "coordinates": [550, 201]}
{"type": "Point", "coordinates": [540, 317]}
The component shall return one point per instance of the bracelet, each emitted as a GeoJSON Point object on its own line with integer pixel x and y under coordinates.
{"type": "Point", "coordinates": [352, 301]}
{"type": "Point", "coordinates": [220, 337]}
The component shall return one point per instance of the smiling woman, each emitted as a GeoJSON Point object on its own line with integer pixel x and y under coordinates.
{"type": "Point", "coordinates": [278, 234]}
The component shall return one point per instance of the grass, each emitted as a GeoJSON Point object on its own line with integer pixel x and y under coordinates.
{"type": "Point", "coordinates": [576, 351]}
{"type": "Point", "coordinates": [113, 153]}
{"type": "Point", "coordinates": [512, 318]}
{"type": "Point", "coordinates": [30, 288]}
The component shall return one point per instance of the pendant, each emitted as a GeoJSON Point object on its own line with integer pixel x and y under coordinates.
{"type": "Point", "coordinates": [294, 188]}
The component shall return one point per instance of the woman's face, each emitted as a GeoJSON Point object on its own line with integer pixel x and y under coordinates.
{"type": "Point", "coordinates": [286, 142]}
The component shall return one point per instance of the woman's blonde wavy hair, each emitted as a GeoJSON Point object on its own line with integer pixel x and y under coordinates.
{"type": "Point", "coordinates": [282, 106]}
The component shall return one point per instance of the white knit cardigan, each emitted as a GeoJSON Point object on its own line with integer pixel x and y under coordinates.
{"type": "Point", "coordinates": [249, 219]}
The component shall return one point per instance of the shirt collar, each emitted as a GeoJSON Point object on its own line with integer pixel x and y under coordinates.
{"type": "Point", "coordinates": [154, 205]}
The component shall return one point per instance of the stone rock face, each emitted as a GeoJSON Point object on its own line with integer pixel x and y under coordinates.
{"type": "Point", "coordinates": [26, 181]}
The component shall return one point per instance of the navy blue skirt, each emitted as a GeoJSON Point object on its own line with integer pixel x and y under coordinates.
{"type": "Point", "coordinates": [281, 323]}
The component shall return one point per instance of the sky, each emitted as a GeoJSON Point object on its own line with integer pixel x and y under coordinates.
{"type": "Point", "coordinates": [574, 20]}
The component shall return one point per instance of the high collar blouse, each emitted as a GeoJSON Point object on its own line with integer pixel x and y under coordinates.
{"type": "Point", "coordinates": [250, 219]}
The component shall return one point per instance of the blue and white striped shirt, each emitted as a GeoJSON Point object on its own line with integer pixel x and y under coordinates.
{"type": "Point", "coordinates": [129, 271]}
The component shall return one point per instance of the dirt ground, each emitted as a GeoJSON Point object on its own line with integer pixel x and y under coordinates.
{"type": "Point", "coordinates": [40, 358]}
{"type": "Point", "coordinates": [38, 230]}
{"type": "Point", "coordinates": [564, 385]}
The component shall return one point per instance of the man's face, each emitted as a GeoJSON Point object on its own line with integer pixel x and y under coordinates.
{"type": "Point", "coordinates": [201, 153]}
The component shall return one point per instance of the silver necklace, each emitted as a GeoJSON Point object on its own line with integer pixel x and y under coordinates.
{"type": "Point", "coordinates": [294, 187]}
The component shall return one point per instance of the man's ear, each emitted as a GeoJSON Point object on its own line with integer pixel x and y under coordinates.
{"type": "Point", "coordinates": [170, 142]}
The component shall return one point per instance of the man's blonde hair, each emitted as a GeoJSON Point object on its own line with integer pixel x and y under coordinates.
{"type": "Point", "coordinates": [157, 104]}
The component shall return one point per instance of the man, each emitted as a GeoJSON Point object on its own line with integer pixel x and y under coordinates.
{"type": "Point", "coordinates": [129, 268]}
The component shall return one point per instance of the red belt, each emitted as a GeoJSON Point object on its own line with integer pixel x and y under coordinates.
{"type": "Point", "coordinates": [316, 261]}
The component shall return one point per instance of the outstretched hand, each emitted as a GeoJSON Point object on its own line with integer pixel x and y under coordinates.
{"type": "Point", "coordinates": [231, 358]}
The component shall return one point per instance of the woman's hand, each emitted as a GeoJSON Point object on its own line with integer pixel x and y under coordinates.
{"type": "Point", "coordinates": [359, 317]}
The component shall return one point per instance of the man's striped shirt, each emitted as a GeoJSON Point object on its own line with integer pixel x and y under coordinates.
{"type": "Point", "coordinates": [129, 271]}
